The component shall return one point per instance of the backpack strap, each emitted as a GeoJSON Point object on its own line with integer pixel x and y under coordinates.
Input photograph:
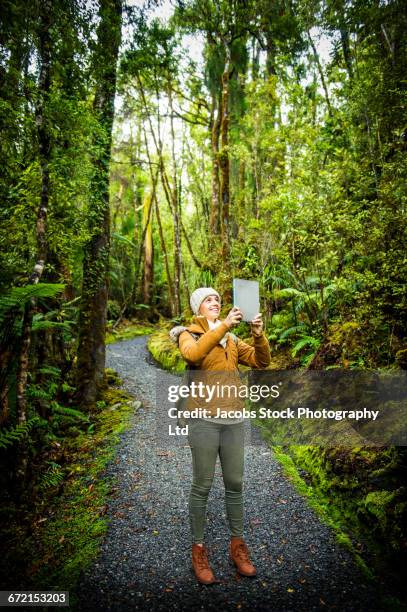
{"type": "Point", "coordinates": [196, 338]}
{"type": "Point", "coordinates": [234, 338]}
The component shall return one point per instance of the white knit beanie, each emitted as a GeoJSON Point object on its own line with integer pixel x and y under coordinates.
{"type": "Point", "coordinates": [199, 295]}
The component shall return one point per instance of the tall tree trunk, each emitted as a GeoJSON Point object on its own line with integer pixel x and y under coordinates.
{"type": "Point", "coordinates": [270, 54]}
{"type": "Point", "coordinates": [165, 256]}
{"type": "Point", "coordinates": [136, 293]}
{"type": "Point", "coordinates": [5, 358]}
{"type": "Point", "coordinates": [148, 269]}
{"type": "Point", "coordinates": [321, 72]}
{"type": "Point", "coordinates": [160, 228]}
{"type": "Point", "coordinates": [255, 58]}
{"type": "Point", "coordinates": [93, 308]}
{"type": "Point", "coordinates": [176, 213]}
{"type": "Point", "coordinates": [44, 148]}
{"type": "Point", "coordinates": [171, 193]}
{"type": "Point", "coordinates": [346, 51]}
{"type": "Point", "coordinates": [240, 200]}
{"type": "Point", "coordinates": [216, 115]}
{"type": "Point", "coordinates": [224, 162]}
{"type": "Point", "coordinates": [145, 224]}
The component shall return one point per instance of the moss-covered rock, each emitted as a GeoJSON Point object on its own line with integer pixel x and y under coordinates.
{"type": "Point", "coordinates": [112, 377]}
{"type": "Point", "coordinates": [165, 352]}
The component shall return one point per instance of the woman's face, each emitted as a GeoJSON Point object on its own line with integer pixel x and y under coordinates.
{"type": "Point", "coordinates": [210, 307]}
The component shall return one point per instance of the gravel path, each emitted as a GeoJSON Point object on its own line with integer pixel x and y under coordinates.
{"type": "Point", "coordinates": [145, 557]}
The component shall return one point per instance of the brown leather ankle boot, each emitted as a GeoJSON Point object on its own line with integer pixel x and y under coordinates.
{"type": "Point", "coordinates": [239, 554]}
{"type": "Point", "coordinates": [201, 566]}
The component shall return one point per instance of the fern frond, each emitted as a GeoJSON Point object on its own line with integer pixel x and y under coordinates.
{"type": "Point", "coordinates": [52, 477]}
{"type": "Point", "coordinates": [292, 330]}
{"type": "Point", "coordinates": [15, 434]}
{"type": "Point", "coordinates": [18, 296]}
{"type": "Point", "coordinates": [36, 392]}
{"type": "Point", "coordinates": [312, 280]}
{"type": "Point", "coordinates": [123, 239]}
{"type": "Point", "coordinates": [307, 360]}
{"type": "Point", "coordinates": [70, 412]}
{"type": "Point", "coordinates": [43, 324]}
{"type": "Point", "coordinates": [288, 292]}
{"type": "Point", "coordinates": [330, 289]}
{"type": "Point", "coordinates": [51, 370]}
{"type": "Point", "coordinates": [305, 341]}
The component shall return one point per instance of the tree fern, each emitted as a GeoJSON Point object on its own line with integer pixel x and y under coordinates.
{"type": "Point", "coordinates": [18, 296]}
{"type": "Point", "coordinates": [11, 310]}
{"type": "Point", "coordinates": [40, 323]}
{"type": "Point", "coordinates": [17, 433]}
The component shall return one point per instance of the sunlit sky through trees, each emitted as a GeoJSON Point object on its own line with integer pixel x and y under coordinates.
{"type": "Point", "coordinates": [192, 46]}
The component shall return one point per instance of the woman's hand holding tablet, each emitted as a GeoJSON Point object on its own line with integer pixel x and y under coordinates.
{"type": "Point", "coordinates": [257, 325]}
{"type": "Point", "coordinates": [234, 317]}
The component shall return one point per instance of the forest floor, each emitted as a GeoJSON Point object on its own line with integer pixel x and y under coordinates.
{"type": "Point", "coordinates": [145, 557]}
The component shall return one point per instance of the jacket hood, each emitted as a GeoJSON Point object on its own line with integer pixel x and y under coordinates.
{"type": "Point", "coordinates": [199, 325]}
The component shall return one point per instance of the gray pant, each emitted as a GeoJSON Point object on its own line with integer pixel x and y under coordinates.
{"type": "Point", "coordinates": [207, 440]}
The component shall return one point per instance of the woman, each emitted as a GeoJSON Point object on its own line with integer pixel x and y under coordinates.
{"type": "Point", "coordinates": [208, 345]}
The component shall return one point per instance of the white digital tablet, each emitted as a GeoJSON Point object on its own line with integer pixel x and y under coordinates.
{"type": "Point", "coordinates": [246, 297]}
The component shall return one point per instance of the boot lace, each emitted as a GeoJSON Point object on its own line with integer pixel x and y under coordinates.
{"type": "Point", "coordinates": [202, 560]}
{"type": "Point", "coordinates": [242, 552]}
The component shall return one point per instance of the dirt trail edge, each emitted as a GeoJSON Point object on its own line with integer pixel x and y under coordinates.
{"type": "Point", "coordinates": [144, 563]}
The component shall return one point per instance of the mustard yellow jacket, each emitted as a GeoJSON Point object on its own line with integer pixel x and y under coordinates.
{"type": "Point", "coordinates": [216, 364]}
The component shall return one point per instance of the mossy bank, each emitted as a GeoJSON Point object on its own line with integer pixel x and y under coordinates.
{"type": "Point", "coordinates": [57, 533]}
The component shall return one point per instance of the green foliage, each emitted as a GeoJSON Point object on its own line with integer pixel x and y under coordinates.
{"type": "Point", "coordinates": [17, 297]}
{"type": "Point", "coordinates": [18, 433]}
{"type": "Point", "coordinates": [53, 477]}
{"type": "Point", "coordinates": [314, 343]}
{"type": "Point", "coordinates": [50, 370]}
{"type": "Point", "coordinates": [154, 52]}
{"type": "Point", "coordinates": [69, 486]}
{"type": "Point", "coordinates": [72, 413]}
{"type": "Point", "coordinates": [42, 322]}
{"type": "Point", "coordinates": [358, 491]}
{"type": "Point", "coordinates": [48, 388]}
{"type": "Point", "coordinates": [165, 352]}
